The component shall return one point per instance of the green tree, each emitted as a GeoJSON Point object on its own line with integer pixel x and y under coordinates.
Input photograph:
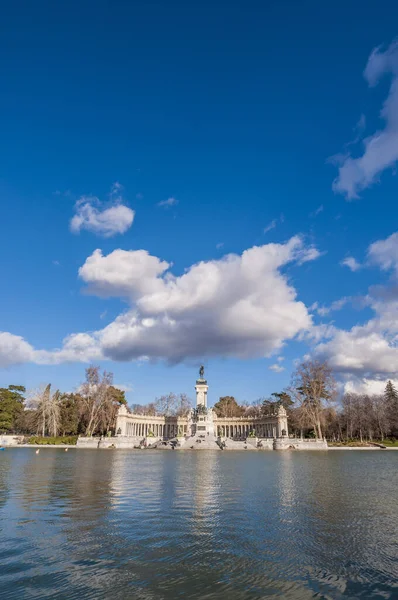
{"type": "Point", "coordinates": [11, 407]}
{"type": "Point", "coordinates": [391, 400]}
{"type": "Point", "coordinates": [70, 409]}
{"type": "Point", "coordinates": [227, 406]}
{"type": "Point", "coordinates": [284, 399]}
{"type": "Point", "coordinates": [108, 413]}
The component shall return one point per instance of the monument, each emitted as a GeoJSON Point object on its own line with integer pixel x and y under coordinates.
{"type": "Point", "coordinates": [202, 417]}
{"type": "Point", "coordinates": [201, 428]}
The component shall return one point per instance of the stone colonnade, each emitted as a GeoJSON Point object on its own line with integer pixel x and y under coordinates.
{"type": "Point", "coordinates": [145, 429]}
{"type": "Point", "coordinates": [261, 430]}
{"type": "Point", "coordinates": [140, 426]}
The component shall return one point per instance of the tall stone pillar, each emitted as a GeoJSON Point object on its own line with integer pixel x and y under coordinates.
{"type": "Point", "coordinates": [201, 388]}
{"type": "Point", "coordinates": [202, 416]}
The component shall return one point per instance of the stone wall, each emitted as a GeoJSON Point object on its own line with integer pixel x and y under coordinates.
{"type": "Point", "coordinates": [11, 440]}
{"type": "Point", "coordinates": [126, 442]}
{"type": "Point", "coordinates": [299, 444]}
{"type": "Point", "coordinates": [88, 442]}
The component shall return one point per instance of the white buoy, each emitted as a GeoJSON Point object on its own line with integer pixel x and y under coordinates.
{"type": "Point", "coordinates": [37, 451]}
{"type": "Point", "coordinates": [66, 449]}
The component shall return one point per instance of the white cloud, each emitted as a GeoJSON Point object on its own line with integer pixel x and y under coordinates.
{"type": "Point", "coordinates": [219, 245]}
{"type": "Point", "coordinates": [351, 263]}
{"type": "Point", "coordinates": [370, 350]}
{"type": "Point", "coordinates": [367, 386]}
{"type": "Point", "coordinates": [123, 273]}
{"type": "Point", "coordinates": [380, 150]}
{"type": "Point", "coordinates": [237, 306]}
{"type": "Point", "coordinates": [364, 350]}
{"type": "Point", "coordinates": [384, 253]}
{"type": "Point", "coordinates": [14, 350]}
{"type": "Point", "coordinates": [77, 347]}
{"type": "Point", "coordinates": [270, 226]}
{"type": "Point", "coordinates": [103, 219]}
{"type": "Point", "coordinates": [309, 254]}
{"type": "Point", "coordinates": [168, 203]}
{"type": "Point", "coordinates": [276, 368]}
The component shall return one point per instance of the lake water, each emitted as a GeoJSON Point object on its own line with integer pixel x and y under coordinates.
{"type": "Point", "coordinates": [167, 525]}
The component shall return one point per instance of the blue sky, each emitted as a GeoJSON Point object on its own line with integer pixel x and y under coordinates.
{"type": "Point", "coordinates": [169, 136]}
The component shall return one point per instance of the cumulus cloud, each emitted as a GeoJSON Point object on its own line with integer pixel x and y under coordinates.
{"type": "Point", "coordinates": [351, 263]}
{"type": "Point", "coordinates": [370, 350]}
{"type": "Point", "coordinates": [380, 150]}
{"type": "Point", "coordinates": [14, 350]}
{"type": "Point", "coordinates": [238, 305]}
{"type": "Point", "coordinates": [122, 273]}
{"type": "Point", "coordinates": [364, 350]}
{"type": "Point", "coordinates": [168, 203]}
{"type": "Point", "coordinates": [367, 386]}
{"type": "Point", "coordinates": [103, 219]}
{"type": "Point", "coordinates": [234, 306]}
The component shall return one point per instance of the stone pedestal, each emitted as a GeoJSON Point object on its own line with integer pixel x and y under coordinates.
{"type": "Point", "coordinates": [204, 422]}
{"type": "Point", "coordinates": [202, 416]}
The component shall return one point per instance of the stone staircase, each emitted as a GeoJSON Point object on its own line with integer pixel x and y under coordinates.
{"type": "Point", "coordinates": [200, 442]}
{"type": "Point", "coordinates": [235, 445]}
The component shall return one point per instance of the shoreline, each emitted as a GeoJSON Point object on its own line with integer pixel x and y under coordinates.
{"type": "Point", "coordinates": [361, 448]}
{"type": "Point", "coordinates": [69, 446]}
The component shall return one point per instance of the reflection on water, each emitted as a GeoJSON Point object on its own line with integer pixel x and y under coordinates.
{"type": "Point", "coordinates": [160, 525]}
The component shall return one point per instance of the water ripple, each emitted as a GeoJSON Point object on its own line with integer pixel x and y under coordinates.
{"type": "Point", "coordinates": [203, 525]}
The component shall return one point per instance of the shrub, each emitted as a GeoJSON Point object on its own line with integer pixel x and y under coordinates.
{"type": "Point", "coordinates": [70, 440]}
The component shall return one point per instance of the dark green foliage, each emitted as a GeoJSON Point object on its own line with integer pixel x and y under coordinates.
{"type": "Point", "coordinates": [283, 398]}
{"type": "Point", "coordinates": [227, 406]}
{"type": "Point", "coordinates": [69, 440]}
{"type": "Point", "coordinates": [69, 414]}
{"type": "Point", "coordinates": [390, 393]}
{"type": "Point", "coordinates": [11, 407]}
{"type": "Point", "coordinates": [391, 399]}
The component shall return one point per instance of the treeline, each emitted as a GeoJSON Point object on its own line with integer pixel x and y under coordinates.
{"type": "Point", "coordinates": [90, 411]}
{"type": "Point", "coordinates": [312, 403]}
{"type": "Point", "coordinates": [364, 417]}
{"type": "Point", "coordinates": [315, 410]}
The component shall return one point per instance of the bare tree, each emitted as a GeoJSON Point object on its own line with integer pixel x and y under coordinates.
{"type": "Point", "coordinates": [380, 411]}
{"type": "Point", "coordinates": [254, 409]}
{"type": "Point", "coordinates": [312, 386]}
{"type": "Point", "coordinates": [173, 405]}
{"type": "Point", "coordinates": [95, 395]}
{"type": "Point", "coordinates": [47, 410]}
